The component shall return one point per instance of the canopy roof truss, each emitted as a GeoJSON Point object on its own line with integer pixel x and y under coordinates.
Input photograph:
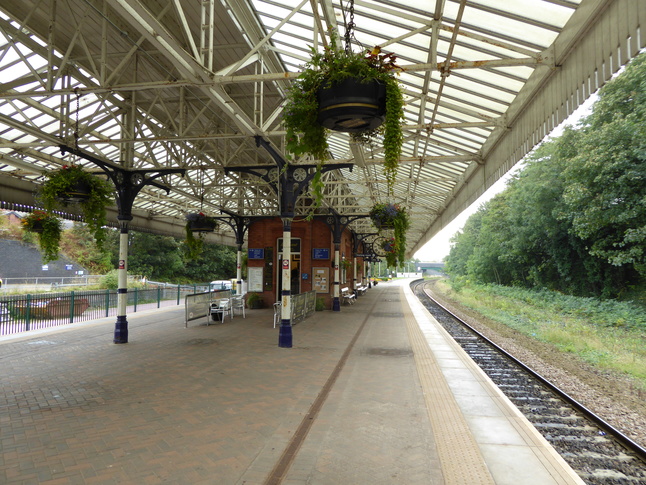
{"type": "Point", "coordinates": [189, 84]}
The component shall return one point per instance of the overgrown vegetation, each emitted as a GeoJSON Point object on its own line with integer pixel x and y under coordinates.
{"type": "Point", "coordinates": [79, 245]}
{"type": "Point", "coordinates": [574, 219]}
{"type": "Point", "coordinates": [610, 335]}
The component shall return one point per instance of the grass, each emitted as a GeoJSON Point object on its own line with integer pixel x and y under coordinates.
{"type": "Point", "coordinates": [610, 335]}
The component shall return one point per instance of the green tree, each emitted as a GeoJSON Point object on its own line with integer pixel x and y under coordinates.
{"type": "Point", "coordinates": [463, 244]}
{"type": "Point", "coordinates": [487, 264]}
{"type": "Point", "coordinates": [574, 218]}
{"type": "Point", "coordinates": [606, 179]}
{"type": "Point", "coordinates": [157, 257]}
{"type": "Point", "coordinates": [214, 263]}
{"type": "Point", "coordinates": [164, 258]}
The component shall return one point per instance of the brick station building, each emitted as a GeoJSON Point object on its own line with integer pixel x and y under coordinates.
{"type": "Point", "coordinates": [312, 262]}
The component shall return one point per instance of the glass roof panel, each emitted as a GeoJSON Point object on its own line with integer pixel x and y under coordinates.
{"type": "Point", "coordinates": [201, 122]}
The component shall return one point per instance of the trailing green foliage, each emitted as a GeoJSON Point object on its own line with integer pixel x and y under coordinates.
{"type": "Point", "coordinates": [574, 219]}
{"type": "Point", "coordinates": [305, 136]}
{"type": "Point", "coordinates": [100, 195]}
{"type": "Point", "coordinates": [395, 217]}
{"type": "Point", "coordinates": [49, 229]}
{"type": "Point", "coordinates": [204, 224]}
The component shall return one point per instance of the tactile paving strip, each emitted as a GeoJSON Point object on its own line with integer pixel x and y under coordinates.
{"type": "Point", "coordinates": [458, 451]}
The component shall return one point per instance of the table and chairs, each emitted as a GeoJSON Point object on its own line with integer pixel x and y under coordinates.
{"type": "Point", "coordinates": [223, 307]}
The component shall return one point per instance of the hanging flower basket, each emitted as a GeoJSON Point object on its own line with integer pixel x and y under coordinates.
{"type": "Point", "coordinates": [72, 184]}
{"type": "Point", "coordinates": [200, 222]}
{"type": "Point", "coordinates": [352, 106]}
{"type": "Point", "coordinates": [197, 223]}
{"type": "Point", "coordinates": [392, 251]}
{"type": "Point", "coordinates": [345, 91]}
{"type": "Point", "coordinates": [392, 217]}
{"type": "Point", "coordinates": [386, 216]}
{"type": "Point", "coordinates": [80, 192]}
{"type": "Point", "coordinates": [48, 228]}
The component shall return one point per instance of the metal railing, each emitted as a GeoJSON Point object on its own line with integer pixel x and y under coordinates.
{"type": "Point", "coordinates": [22, 313]}
{"type": "Point", "coordinates": [44, 283]}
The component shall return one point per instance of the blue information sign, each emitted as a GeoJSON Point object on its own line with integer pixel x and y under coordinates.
{"type": "Point", "coordinates": [256, 253]}
{"type": "Point", "coordinates": [321, 253]}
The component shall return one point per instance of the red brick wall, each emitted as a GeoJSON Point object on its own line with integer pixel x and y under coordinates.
{"type": "Point", "coordinates": [313, 234]}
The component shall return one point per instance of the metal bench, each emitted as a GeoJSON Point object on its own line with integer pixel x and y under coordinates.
{"type": "Point", "coordinates": [347, 296]}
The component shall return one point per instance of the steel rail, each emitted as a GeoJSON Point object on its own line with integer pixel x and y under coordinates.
{"type": "Point", "coordinates": [621, 438]}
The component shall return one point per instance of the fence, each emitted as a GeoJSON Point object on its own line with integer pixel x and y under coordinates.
{"type": "Point", "coordinates": [22, 313]}
{"type": "Point", "coordinates": [43, 283]}
{"type": "Point", "coordinates": [303, 306]}
{"type": "Point", "coordinates": [196, 305]}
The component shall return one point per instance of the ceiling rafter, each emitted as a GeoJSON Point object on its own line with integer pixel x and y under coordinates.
{"type": "Point", "coordinates": [192, 84]}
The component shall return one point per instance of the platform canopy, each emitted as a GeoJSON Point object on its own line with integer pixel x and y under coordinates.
{"type": "Point", "coordinates": [151, 84]}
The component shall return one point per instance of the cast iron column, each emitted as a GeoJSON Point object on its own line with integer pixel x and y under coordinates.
{"type": "Point", "coordinates": [239, 271]}
{"type": "Point", "coordinates": [354, 272]}
{"type": "Point", "coordinates": [285, 331]}
{"type": "Point", "coordinates": [128, 184]}
{"type": "Point", "coordinates": [336, 303]}
{"type": "Point", "coordinates": [239, 225]}
{"type": "Point", "coordinates": [121, 326]}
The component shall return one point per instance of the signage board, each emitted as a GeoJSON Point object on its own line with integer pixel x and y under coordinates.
{"type": "Point", "coordinates": [320, 253]}
{"type": "Point", "coordinates": [255, 275]}
{"type": "Point", "coordinates": [256, 253]}
{"type": "Point", "coordinates": [294, 247]}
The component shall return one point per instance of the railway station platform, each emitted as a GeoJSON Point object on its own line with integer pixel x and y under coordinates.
{"type": "Point", "coordinates": [374, 394]}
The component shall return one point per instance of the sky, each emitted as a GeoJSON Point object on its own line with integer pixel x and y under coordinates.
{"type": "Point", "coordinates": [439, 246]}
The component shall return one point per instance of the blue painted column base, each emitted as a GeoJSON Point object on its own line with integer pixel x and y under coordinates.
{"type": "Point", "coordinates": [121, 330]}
{"type": "Point", "coordinates": [285, 334]}
{"type": "Point", "coordinates": [336, 304]}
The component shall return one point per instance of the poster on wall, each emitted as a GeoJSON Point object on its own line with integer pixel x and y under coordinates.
{"type": "Point", "coordinates": [255, 278]}
{"type": "Point", "coordinates": [321, 280]}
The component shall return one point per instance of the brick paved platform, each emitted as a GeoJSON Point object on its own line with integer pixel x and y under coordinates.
{"type": "Point", "coordinates": [223, 404]}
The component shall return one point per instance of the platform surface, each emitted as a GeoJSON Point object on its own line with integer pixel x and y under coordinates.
{"type": "Point", "coordinates": [373, 394]}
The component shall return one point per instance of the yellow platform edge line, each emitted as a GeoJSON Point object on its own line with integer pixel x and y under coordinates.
{"type": "Point", "coordinates": [561, 471]}
{"type": "Point", "coordinates": [462, 462]}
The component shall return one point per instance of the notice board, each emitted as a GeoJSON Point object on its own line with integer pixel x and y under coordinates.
{"type": "Point", "coordinates": [255, 278]}
{"type": "Point", "coordinates": [321, 280]}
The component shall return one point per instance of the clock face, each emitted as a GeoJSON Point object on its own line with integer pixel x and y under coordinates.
{"type": "Point", "coordinates": [299, 174]}
{"type": "Point", "coordinates": [137, 179]}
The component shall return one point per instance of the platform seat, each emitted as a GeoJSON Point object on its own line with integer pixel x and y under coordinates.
{"type": "Point", "coordinates": [347, 296]}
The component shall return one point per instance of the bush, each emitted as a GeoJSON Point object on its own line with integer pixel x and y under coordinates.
{"type": "Point", "coordinates": [111, 280]}
{"type": "Point", "coordinates": [320, 304]}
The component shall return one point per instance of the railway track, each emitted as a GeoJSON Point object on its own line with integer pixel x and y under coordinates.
{"type": "Point", "coordinates": [600, 454]}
